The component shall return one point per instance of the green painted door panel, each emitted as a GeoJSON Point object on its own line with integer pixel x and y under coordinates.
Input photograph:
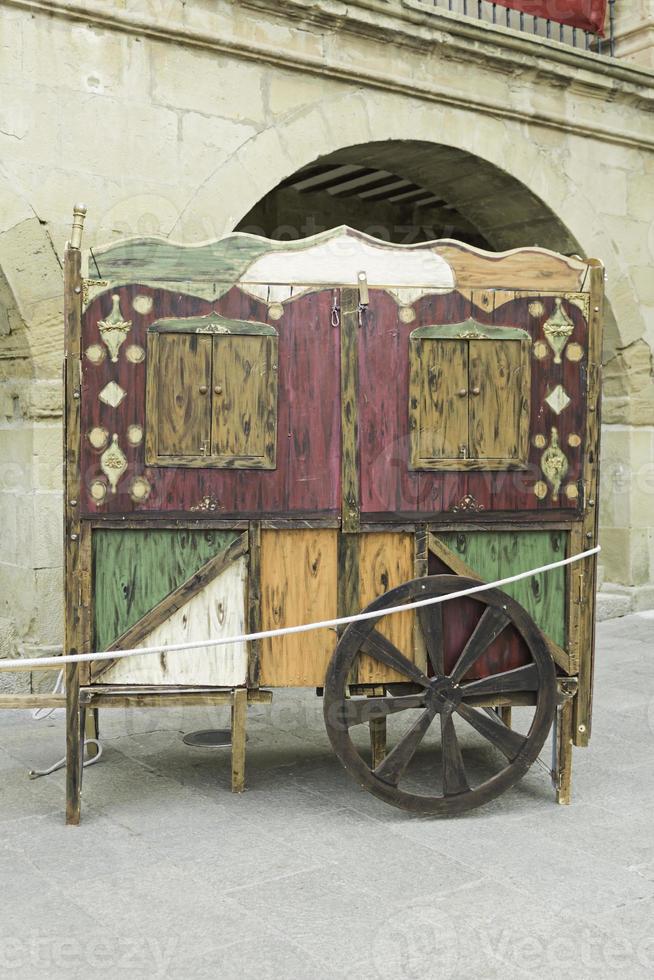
{"type": "Point", "coordinates": [498, 554]}
{"type": "Point", "coordinates": [135, 569]}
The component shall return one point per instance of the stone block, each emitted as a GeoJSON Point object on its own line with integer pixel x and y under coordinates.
{"type": "Point", "coordinates": [207, 142]}
{"type": "Point", "coordinates": [30, 263]}
{"type": "Point", "coordinates": [207, 82]}
{"type": "Point", "coordinates": [47, 525]}
{"type": "Point", "coordinates": [629, 371]}
{"type": "Point", "coordinates": [84, 58]}
{"type": "Point", "coordinates": [611, 605]}
{"type": "Point", "coordinates": [47, 457]}
{"type": "Point", "coordinates": [125, 148]}
{"type": "Point", "coordinates": [616, 545]}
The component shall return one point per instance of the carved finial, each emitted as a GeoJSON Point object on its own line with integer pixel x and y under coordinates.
{"type": "Point", "coordinates": [79, 213]}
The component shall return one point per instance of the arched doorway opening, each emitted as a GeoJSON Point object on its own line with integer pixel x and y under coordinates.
{"type": "Point", "coordinates": [409, 191]}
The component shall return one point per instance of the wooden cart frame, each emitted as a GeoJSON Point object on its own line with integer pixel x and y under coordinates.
{"type": "Point", "coordinates": [566, 293]}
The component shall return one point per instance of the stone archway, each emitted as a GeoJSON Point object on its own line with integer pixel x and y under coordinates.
{"type": "Point", "coordinates": [515, 184]}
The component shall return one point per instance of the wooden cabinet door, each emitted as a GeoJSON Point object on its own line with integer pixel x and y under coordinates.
{"type": "Point", "coordinates": [245, 400]}
{"type": "Point", "coordinates": [182, 379]}
{"type": "Point", "coordinates": [438, 401]}
{"type": "Point", "coordinates": [497, 400]}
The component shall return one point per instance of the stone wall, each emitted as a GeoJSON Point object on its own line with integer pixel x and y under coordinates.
{"type": "Point", "coordinates": [178, 119]}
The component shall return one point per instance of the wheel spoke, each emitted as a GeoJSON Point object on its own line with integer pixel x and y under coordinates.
{"type": "Point", "coordinates": [431, 624]}
{"type": "Point", "coordinates": [454, 774]}
{"type": "Point", "coordinates": [391, 769]}
{"type": "Point", "coordinates": [363, 710]}
{"type": "Point", "coordinates": [509, 743]}
{"type": "Point", "coordinates": [377, 646]}
{"type": "Point", "coordinates": [489, 627]}
{"type": "Point", "coordinates": [519, 679]}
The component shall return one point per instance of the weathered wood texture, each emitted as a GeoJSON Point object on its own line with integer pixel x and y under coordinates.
{"type": "Point", "coordinates": [389, 489]}
{"type": "Point", "coordinates": [75, 610]}
{"type": "Point", "coordinates": [133, 570]}
{"type": "Point", "coordinates": [468, 403]}
{"type": "Point", "coordinates": [217, 610]}
{"type": "Point", "coordinates": [298, 585]}
{"type": "Point", "coordinates": [178, 422]}
{"type": "Point", "coordinates": [498, 554]}
{"type": "Point", "coordinates": [385, 561]}
{"type": "Point", "coordinates": [525, 268]}
{"type": "Point", "coordinates": [349, 317]}
{"type": "Point", "coordinates": [306, 478]}
{"type": "Point", "coordinates": [245, 400]}
{"type": "Point", "coordinates": [221, 263]}
{"type": "Point", "coordinates": [584, 584]}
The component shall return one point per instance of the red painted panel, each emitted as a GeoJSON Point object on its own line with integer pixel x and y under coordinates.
{"type": "Point", "coordinates": [460, 616]}
{"type": "Point", "coordinates": [307, 476]}
{"type": "Point", "coordinates": [387, 485]}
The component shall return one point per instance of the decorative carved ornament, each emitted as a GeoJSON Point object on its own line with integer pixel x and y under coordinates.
{"type": "Point", "coordinates": [207, 503]}
{"type": "Point", "coordinates": [554, 464]}
{"type": "Point", "coordinates": [90, 289]}
{"type": "Point", "coordinates": [468, 504]}
{"type": "Point", "coordinates": [112, 394]}
{"type": "Point", "coordinates": [557, 329]}
{"type": "Point", "coordinates": [558, 399]}
{"type": "Point", "coordinates": [113, 462]}
{"type": "Point", "coordinates": [114, 329]}
{"type": "Point", "coordinates": [581, 301]}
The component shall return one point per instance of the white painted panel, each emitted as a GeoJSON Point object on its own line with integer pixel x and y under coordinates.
{"type": "Point", "coordinates": [339, 259]}
{"type": "Point", "coordinates": [217, 610]}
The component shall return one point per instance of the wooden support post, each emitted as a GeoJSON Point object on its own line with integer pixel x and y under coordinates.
{"type": "Point", "coordinates": [505, 714]}
{"type": "Point", "coordinates": [586, 572]}
{"type": "Point", "coordinates": [564, 733]}
{"type": "Point", "coordinates": [75, 539]}
{"type": "Point", "coordinates": [377, 740]}
{"type": "Point", "coordinates": [74, 747]}
{"type": "Point", "coordinates": [239, 725]}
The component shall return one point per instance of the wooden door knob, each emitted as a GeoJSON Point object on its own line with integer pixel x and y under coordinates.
{"type": "Point", "coordinates": [218, 389]}
{"type": "Point", "coordinates": [463, 392]}
{"type": "Point", "coordinates": [476, 391]}
{"type": "Point", "coordinates": [203, 389]}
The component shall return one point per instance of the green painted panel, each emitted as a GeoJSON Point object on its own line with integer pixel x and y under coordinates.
{"type": "Point", "coordinates": [135, 569]}
{"type": "Point", "coordinates": [211, 324]}
{"type": "Point", "coordinates": [499, 554]}
{"type": "Point", "coordinates": [470, 330]}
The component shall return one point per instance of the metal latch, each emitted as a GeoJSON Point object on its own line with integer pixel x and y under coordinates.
{"type": "Point", "coordinates": [463, 452]}
{"type": "Point", "coordinates": [364, 299]}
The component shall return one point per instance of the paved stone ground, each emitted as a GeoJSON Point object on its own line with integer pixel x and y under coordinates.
{"type": "Point", "coordinates": [305, 876]}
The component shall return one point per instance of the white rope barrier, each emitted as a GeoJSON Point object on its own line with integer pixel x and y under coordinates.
{"type": "Point", "coordinates": [79, 658]}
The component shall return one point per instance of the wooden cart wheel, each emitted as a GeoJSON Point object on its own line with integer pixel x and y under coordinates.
{"type": "Point", "coordinates": [446, 695]}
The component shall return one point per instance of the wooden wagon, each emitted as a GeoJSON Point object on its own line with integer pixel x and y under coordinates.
{"type": "Point", "coordinates": [263, 434]}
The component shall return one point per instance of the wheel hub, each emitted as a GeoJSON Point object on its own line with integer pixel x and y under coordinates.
{"type": "Point", "coordinates": [444, 693]}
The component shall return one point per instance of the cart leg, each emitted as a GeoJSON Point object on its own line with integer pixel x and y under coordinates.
{"type": "Point", "coordinates": [74, 747]}
{"type": "Point", "coordinates": [564, 733]}
{"type": "Point", "coordinates": [239, 722]}
{"type": "Point", "coordinates": [505, 714]}
{"type": "Point", "coordinates": [378, 740]}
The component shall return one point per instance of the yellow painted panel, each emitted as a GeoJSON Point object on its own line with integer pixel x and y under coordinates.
{"type": "Point", "coordinates": [298, 585]}
{"type": "Point", "coordinates": [385, 561]}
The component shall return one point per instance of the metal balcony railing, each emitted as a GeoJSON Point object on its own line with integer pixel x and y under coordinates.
{"type": "Point", "coordinates": [495, 13]}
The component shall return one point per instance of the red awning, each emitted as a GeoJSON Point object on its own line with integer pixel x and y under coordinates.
{"type": "Point", "coordinates": [588, 15]}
